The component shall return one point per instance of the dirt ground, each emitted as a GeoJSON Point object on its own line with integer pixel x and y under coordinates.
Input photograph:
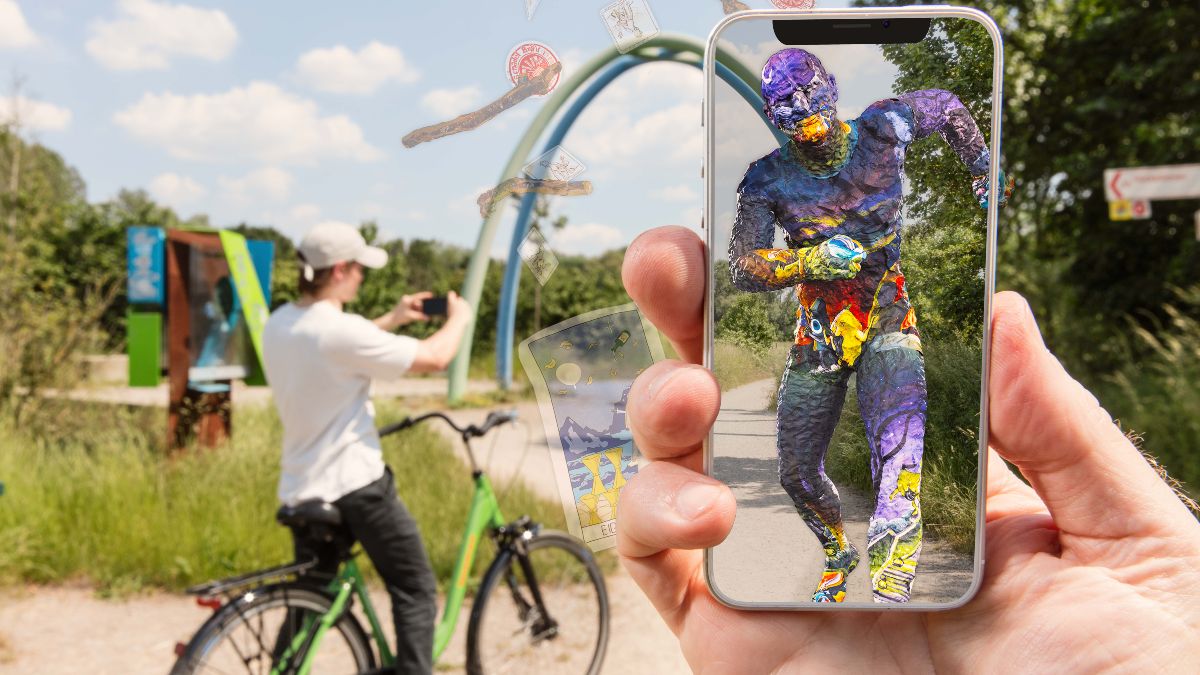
{"type": "Point", "coordinates": [66, 631]}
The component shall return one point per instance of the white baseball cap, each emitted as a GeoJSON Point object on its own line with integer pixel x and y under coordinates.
{"type": "Point", "coordinates": [329, 243]}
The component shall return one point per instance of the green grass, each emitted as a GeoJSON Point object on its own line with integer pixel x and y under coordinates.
{"type": "Point", "coordinates": [735, 365]}
{"type": "Point", "coordinates": [101, 504]}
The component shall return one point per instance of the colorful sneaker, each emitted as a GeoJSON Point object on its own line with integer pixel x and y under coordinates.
{"type": "Point", "coordinates": [832, 587]}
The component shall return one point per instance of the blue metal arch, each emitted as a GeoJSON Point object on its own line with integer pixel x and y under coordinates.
{"type": "Point", "coordinates": [505, 315]}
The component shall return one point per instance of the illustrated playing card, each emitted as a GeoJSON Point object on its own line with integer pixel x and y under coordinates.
{"type": "Point", "coordinates": [554, 164]}
{"type": "Point", "coordinates": [629, 22]}
{"type": "Point", "coordinates": [581, 371]}
{"type": "Point", "coordinates": [538, 256]}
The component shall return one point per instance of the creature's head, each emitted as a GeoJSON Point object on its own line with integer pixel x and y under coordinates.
{"type": "Point", "coordinates": [799, 96]}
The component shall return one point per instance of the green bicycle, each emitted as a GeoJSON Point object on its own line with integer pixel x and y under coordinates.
{"type": "Point", "coordinates": [542, 605]}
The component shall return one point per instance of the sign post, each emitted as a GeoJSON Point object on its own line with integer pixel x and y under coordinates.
{"type": "Point", "coordinates": [1129, 190]}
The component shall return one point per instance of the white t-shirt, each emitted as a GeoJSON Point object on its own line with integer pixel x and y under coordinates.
{"type": "Point", "coordinates": [319, 362]}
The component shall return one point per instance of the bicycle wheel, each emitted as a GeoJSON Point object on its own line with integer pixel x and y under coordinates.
{"type": "Point", "coordinates": [567, 631]}
{"type": "Point", "coordinates": [249, 634]}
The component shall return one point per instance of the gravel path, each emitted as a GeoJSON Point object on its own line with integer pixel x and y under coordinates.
{"type": "Point", "coordinates": [66, 631]}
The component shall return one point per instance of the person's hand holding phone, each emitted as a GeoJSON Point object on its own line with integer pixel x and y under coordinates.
{"type": "Point", "coordinates": [1093, 564]}
{"type": "Point", "coordinates": [409, 308]}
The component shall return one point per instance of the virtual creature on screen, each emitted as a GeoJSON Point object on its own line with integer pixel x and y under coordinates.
{"type": "Point", "coordinates": [835, 190]}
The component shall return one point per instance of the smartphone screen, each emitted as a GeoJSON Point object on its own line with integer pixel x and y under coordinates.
{"type": "Point", "coordinates": [434, 306]}
{"type": "Point", "coordinates": [847, 166]}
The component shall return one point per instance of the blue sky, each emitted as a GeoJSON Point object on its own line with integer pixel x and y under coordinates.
{"type": "Point", "coordinates": [290, 114]}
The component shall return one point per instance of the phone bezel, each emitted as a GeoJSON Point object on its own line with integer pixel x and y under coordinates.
{"type": "Point", "coordinates": [710, 78]}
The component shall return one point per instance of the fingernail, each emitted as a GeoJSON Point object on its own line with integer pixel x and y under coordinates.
{"type": "Point", "coordinates": [660, 382]}
{"type": "Point", "coordinates": [693, 499]}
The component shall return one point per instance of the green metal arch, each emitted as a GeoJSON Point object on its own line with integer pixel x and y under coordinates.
{"type": "Point", "coordinates": [472, 289]}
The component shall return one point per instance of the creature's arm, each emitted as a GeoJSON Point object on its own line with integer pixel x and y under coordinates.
{"type": "Point", "coordinates": [941, 111]}
{"type": "Point", "coordinates": [755, 266]}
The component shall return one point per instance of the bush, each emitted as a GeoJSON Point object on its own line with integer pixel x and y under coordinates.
{"type": "Point", "coordinates": [746, 323]}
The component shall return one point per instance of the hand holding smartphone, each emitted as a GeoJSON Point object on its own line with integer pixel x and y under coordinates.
{"type": "Point", "coordinates": [849, 413]}
{"type": "Point", "coordinates": [436, 306]}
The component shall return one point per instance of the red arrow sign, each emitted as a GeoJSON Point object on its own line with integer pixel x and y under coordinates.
{"type": "Point", "coordinates": [1113, 184]}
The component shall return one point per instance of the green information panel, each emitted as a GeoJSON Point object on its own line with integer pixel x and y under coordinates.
{"type": "Point", "coordinates": [145, 348]}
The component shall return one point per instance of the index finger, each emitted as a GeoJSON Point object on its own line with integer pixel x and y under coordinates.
{"type": "Point", "coordinates": [665, 274]}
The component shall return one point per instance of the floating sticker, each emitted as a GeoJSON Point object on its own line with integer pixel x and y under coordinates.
{"type": "Point", "coordinates": [582, 398]}
{"type": "Point", "coordinates": [525, 87]}
{"type": "Point", "coordinates": [519, 186]}
{"type": "Point", "coordinates": [554, 164]}
{"type": "Point", "coordinates": [528, 60]}
{"type": "Point", "coordinates": [537, 255]}
{"type": "Point", "coordinates": [630, 23]}
{"type": "Point", "coordinates": [731, 6]}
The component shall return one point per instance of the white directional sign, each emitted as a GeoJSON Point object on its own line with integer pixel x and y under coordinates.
{"type": "Point", "coordinates": [1174, 181]}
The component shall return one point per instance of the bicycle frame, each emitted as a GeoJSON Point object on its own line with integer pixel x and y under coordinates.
{"type": "Point", "coordinates": [348, 581]}
{"type": "Point", "coordinates": [484, 516]}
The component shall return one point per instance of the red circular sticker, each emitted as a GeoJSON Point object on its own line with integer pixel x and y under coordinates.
{"type": "Point", "coordinates": [794, 4]}
{"type": "Point", "coordinates": [528, 60]}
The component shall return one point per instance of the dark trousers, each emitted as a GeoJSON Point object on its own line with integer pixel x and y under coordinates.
{"type": "Point", "coordinates": [376, 518]}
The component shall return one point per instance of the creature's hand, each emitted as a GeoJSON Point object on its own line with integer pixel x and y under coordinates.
{"type": "Point", "coordinates": [837, 258]}
{"type": "Point", "coordinates": [980, 187]}
{"type": "Point", "coordinates": [1093, 550]}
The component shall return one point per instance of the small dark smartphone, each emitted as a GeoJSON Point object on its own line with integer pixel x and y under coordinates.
{"type": "Point", "coordinates": [434, 306]}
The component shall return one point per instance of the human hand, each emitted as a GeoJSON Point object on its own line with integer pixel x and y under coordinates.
{"type": "Point", "coordinates": [457, 308]}
{"type": "Point", "coordinates": [408, 309]}
{"type": "Point", "coordinates": [1095, 564]}
{"type": "Point", "coordinates": [980, 187]}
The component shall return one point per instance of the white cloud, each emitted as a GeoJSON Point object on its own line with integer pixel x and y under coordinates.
{"type": "Point", "coordinates": [676, 193]}
{"type": "Point", "coordinates": [14, 32]}
{"type": "Point", "coordinates": [617, 131]}
{"type": "Point", "coordinates": [266, 184]}
{"type": "Point", "coordinates": [448, 103]}
{"type": "Point", "coordinates": [34, 115]}
{"type": "Point", "coordinates": [305, 212]}
{"type": "Point", "coordinates": [259, 122]}
{"type": "Point", "coordinates": [148, 34]}
{"type": "Point", "coordinates": [587, 238]}
{"type": "Point", "coordinates": [176, 190]}
{"type": "Point", "coordinates": [342, 71]}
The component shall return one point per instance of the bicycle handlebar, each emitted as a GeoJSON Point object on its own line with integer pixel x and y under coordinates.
{"type": "Point", "coordinates": [494, 419]}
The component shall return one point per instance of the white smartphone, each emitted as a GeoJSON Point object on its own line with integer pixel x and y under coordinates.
{"type": "Point", "coordinates": [852, 159]}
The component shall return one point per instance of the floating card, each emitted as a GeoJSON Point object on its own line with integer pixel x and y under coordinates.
{"type": "Point", "coordinates": [538, 256]}
{"type": "Point", "coordinates": [555, 164]}
{"type": "Point", "coordinates": [629, 22]}
{"type": "Point", "coordinates": [581, 371]}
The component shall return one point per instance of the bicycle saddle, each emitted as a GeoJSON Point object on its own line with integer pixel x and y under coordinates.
{"type": "Point", "coordinates": [311, 512]}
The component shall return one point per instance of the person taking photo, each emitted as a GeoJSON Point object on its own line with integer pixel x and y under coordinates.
{"type": "Point", "coordinates": [320, 361]}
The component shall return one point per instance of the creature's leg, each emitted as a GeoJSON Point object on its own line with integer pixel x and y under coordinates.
{"type": "Point", "coordinates": [810, 402]}
{"type": "Point", "coordinates": [892, 399]}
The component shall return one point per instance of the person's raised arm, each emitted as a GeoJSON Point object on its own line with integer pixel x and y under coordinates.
{"type": "Point", "coordinates": [435, 352]}
{"type": "Point", "coordinates": [755, 266]}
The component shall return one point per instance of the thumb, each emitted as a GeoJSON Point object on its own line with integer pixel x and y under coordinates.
{"type": "Point", "coordinates": [1095, 483]}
